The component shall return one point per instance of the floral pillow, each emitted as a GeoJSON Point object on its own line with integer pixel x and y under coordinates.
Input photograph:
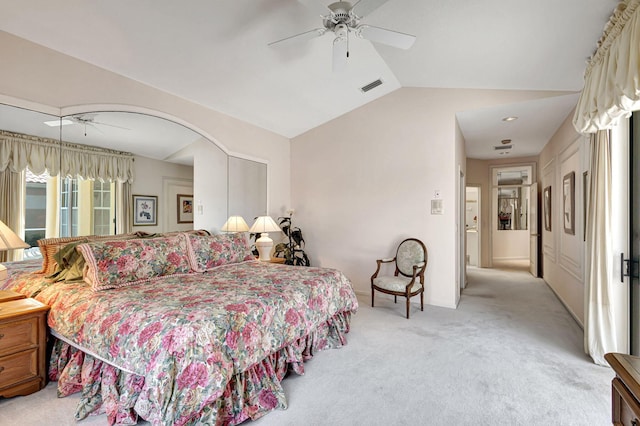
{"type": "Point", "coordinates": [114, 264]}
{"type": "Point", "coordinates": [49, 247]}
{"type": "Point", "coordinates": [208, 252]}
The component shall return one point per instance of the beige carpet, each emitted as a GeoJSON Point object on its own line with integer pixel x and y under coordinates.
{"type": "Point", "coordinates": [510, 354]}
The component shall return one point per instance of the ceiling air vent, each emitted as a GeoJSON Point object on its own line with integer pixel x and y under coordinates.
{"type": "Point", "coordinates": [371, 86]}
{"type": "Point", "coordinates": [501, 147]}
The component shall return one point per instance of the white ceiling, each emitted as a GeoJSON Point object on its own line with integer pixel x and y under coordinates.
{"type": "Point", "coordinates": [215, 53]}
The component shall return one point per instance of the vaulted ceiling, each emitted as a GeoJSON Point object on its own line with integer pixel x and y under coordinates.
{"type": "Point", "coordinates": [216, 53]}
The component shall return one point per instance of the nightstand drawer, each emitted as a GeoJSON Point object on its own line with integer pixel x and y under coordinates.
{"type": "Point", "coordinates": [18, 368]}
{"type": "Point", "coordinates": [18, 335]}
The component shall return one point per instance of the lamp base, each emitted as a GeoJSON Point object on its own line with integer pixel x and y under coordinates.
{"type": "Point", "coordinates": [3, 273]}
{"type": "Point", "coordinates": [264, 245]}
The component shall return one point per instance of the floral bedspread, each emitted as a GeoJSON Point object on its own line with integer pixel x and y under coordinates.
{"type": "Point", "coordinates": [189, 335]}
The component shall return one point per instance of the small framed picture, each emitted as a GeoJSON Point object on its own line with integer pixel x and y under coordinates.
{"type": "Point", "coordinates": [185, 208]}
{"type": "Point", "coordinates": [547, 208]}
{"type": "Point", "coordinates": [145, 210]}
{"type": "Point", "coordinates": [569, 203]}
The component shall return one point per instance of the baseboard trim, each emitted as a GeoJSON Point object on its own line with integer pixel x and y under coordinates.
{"type": "Point", "coordinates": [575, 318]}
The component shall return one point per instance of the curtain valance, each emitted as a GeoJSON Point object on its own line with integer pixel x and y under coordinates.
{"type": "Point", "coordinates": [612, 77]}
{"type": "Point", "coordinates": [19, 151]}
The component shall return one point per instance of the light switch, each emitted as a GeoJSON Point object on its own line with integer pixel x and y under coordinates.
{"type": "Point", "coordinates": [437, 207]}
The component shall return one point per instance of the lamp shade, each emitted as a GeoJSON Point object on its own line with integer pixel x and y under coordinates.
{"type": "Point", "coordinates": [264, 224]}
{"type": "Point", "coordinates": [9, 240]}
{"type": "Point", "coordinates": [235, 224]}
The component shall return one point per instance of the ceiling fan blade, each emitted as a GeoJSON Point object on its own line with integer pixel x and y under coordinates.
{"type": "Point", "coordinates": [340, 53]}
{"type": "Point", "coordinates": [93, 126]}
{"type": "Point", "coordinates": [384, 36]}
{"type": "Point", "coordinates": [307, 35]}
{"type": "Point", "coordinates": [316, 6]}
{"type": "Point", "coordinates": [363, 8]}
{"type": "Point", "coordinates": [110, 125]}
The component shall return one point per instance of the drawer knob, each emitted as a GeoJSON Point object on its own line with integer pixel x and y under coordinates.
{"type": "Point", "coordinates": [1, 335]}
{"type": "Point", "coordinates": [1, 369]}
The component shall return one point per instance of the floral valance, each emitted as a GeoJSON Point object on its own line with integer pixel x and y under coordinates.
{"type": "Point", "coordinates": [612, 77]}
{"type": "Point", "coordinates": [19, 151]}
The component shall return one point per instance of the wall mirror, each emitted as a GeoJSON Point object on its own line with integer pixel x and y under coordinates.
{"type": "Point", "coordinates": [247, 188]}
{"type": "Point", "coordinates": [70, 205]}
{"type": "Point", "coordinates": [163, 168]}
{"type": "Point", "coordinates": [512, 201]}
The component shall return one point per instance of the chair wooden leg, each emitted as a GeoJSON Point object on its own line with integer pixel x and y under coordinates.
{"type": "Point", "coordinates": [422, 301]}
{"type": "Point", "coordinates": [408, 305]}
{"type": "Point", "coordinates": [372, 293]}
{"type": "Point", "coordinates": [395, 299]}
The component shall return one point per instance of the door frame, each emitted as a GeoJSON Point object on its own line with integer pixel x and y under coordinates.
{"type": "Point", "coordinates": [493, 207]}
{"type": "Point", "coordinates": [478, 187]}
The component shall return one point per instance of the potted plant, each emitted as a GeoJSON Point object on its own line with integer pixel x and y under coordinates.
{"type": "Point", "coordinates": [293, 249]}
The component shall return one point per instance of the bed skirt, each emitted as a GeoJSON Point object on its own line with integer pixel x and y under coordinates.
{"type": "Point", "coordinates": [248, 395]}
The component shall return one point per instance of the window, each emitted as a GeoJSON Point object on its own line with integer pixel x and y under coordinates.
{"type": "Point", "coordinates": [68, 207]}
{"type": "Point", "coordinates": [102, 211]}
{"type": "Point", "coordinates": [35, 220]}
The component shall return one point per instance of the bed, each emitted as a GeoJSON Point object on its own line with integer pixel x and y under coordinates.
{"type": "Point", "coordinates": [205, 340]}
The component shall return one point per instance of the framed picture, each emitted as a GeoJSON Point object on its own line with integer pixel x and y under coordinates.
{"type": "Point", "coordinates": [185, 208]}
{"type": "Point", "coordinates": [569, 202]}
{"type": "Point", "coordinates": [145, 210]}
{"type": "Point", "coordinates": [547, 208]}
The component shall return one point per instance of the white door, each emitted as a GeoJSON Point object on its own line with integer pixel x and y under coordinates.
{"type": "Point", "coordinates": [533, 227]}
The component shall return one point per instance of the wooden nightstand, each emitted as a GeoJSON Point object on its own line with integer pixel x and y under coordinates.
{"type": "Point", "coordinates": [625, 389]}
{"type": "Point", "coordinates": [7, 295]}
{"type": "Point", "coordinates": [23, 343]}
{"type": "Point", "coordinates": [277, 260]}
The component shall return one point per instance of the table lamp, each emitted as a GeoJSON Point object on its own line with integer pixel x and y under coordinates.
{"type": "Point", "coordinates": [235, 224]}
{"type": "Point", "coordinates": [263, 225]}
{"type": "Point", "coordinates": [8, 241]}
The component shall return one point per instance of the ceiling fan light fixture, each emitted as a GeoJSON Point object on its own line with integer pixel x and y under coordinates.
{"type": "Point", "coordinates": [510, 118]}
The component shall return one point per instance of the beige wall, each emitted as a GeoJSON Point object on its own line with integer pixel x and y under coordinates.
{"type": "Point", "coordinates": [364, 182]}
{"type": "Point", "coordinates": [563, 254]}
{"type": "Point", "coordinates": [39, 78]}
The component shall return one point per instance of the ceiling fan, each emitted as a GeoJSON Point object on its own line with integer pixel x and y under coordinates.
{"type": "Point", "coordinates": [344, 18]}
{"type": "Point", "coordinates": [89, 120]}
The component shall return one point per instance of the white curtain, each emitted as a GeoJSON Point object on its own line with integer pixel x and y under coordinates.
{"type": "Point", "coordinates": [599, 336]}
{"type": "Point", "coordinates": [19, 151]}
{"type": "Point", "coordinates": [612, 77]}
{"type": "Point", "coordinates": [611, 91]}
{"type": "Point", "coordinates": [124, 208]}
{"type": "Point", "coordinates": [12, 202]}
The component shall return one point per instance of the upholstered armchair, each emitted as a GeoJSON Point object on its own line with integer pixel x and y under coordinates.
{"type": "Point", "coordinates": [408, 279]}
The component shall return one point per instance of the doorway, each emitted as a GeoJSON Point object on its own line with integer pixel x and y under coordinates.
{"type": "Point", "coordinates": [472, 225]}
